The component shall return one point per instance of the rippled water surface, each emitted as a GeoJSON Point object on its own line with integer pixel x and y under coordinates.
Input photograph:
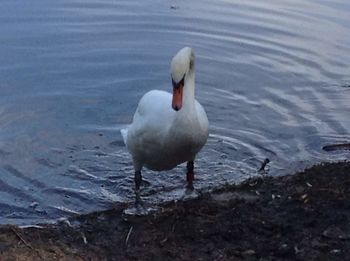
{"type": "Point", "coordinates": [273, 76]}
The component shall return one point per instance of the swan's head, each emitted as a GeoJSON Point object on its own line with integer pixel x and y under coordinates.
{"type": "Point", "coordinates": [182, 65]}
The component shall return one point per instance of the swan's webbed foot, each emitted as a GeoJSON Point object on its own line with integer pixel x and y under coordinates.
{"type": "Point", "coordinates": [139, 209]}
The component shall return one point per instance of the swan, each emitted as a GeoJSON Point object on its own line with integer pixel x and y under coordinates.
{"type": "Point", "coordinates": [168, 129]}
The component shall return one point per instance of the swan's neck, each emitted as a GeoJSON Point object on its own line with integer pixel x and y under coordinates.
{"type": "Point", "coordinates": [188, 95]}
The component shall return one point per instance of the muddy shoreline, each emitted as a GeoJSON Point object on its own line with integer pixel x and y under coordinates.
{"type": "Point", "coordinates": [299, 217]}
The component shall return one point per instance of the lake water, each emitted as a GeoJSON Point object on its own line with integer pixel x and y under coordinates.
{"type": "Point", "coordinates": [273, 76]}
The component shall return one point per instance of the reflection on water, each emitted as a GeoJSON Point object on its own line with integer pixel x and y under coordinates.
{"type": "Point", "coordinates": [273, 77]}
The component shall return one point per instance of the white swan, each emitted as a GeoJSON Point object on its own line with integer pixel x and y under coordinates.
{"type": "Point", "coordinates": [168, 129]}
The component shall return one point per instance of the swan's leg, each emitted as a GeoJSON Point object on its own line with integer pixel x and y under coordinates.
{"type": "Point", "coordinates": [138, 180]}
{"type": "Point", "coordinates": [190, 175]}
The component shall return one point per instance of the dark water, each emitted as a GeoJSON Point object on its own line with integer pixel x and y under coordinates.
{"type": "Point", "coordinates": [273, 76]}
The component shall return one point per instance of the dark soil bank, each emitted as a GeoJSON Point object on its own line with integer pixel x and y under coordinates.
{"type": "Point", "coordinates": [300, 217]}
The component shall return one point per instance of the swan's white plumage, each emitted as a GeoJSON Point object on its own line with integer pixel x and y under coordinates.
{"type": "Point", "coordinates": [159, 137]}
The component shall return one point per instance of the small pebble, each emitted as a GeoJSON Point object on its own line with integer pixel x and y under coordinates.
{"type": "Point", "coordinates": [335, 251]}
{"type": "Point", "coordinates": [304, 196]}
{"type": "Point", "coordinates": [284, 246]}
{"type": "Point", "coordinates": [249, 252]}
{"type": "Point", "coordinates": [297, 250]}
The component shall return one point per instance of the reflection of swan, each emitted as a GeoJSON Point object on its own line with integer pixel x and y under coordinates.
{"type": "Point", "coordinates": [161, 137]}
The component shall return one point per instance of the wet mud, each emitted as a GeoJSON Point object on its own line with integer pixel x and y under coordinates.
{"type": "Point", "coordinates": [305, 216]}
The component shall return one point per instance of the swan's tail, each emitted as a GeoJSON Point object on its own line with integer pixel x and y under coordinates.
{"type": "Point", "coordinates": [124, 133]}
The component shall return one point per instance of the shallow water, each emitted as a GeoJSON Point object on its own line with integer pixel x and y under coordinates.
{"type": "Point", "coordinates": [272, 76]}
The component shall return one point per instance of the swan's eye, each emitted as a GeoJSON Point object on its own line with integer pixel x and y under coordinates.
{"type": "Point", "coordinates": [191, 64]}
{"type": "Point", "coordinates": [180, 83]}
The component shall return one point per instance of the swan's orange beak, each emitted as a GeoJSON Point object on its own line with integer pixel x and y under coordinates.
{"type": "Point", "coordinates": [177, 94]}
{"type": "Point", "coordinates": [177, 97]}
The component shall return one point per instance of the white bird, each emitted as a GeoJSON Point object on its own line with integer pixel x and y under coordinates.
{"type": "Point", "coordinates": [168, 129]}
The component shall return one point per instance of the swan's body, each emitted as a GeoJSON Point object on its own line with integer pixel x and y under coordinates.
{"type": "Point", "coordinates": [161, 138]}
{"type": "Point", "coordinates": [168, 129]}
